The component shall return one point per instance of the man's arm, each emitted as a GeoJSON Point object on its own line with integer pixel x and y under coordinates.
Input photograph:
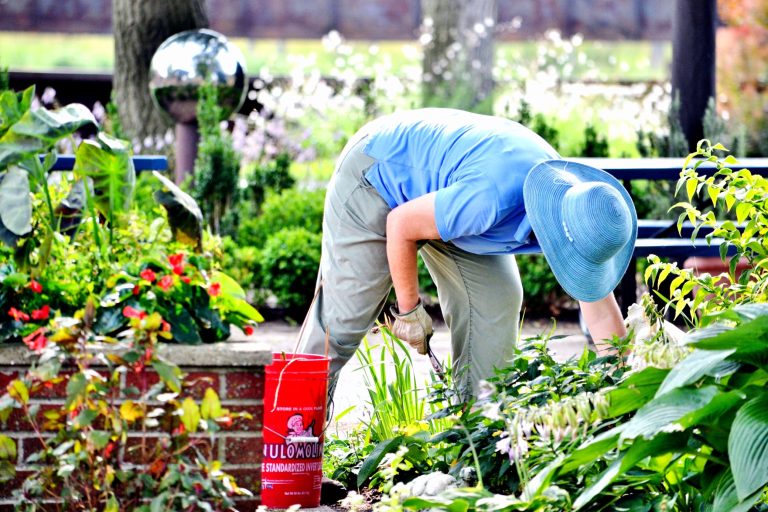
{"type": "Point", "coordinates": [406, 225]}
{"type": "Point", "coordinates": [604, 320]}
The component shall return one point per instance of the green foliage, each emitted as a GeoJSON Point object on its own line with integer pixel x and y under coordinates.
{"type": "Point", "coordinates": [539, 124]}
{"type": "Point", "coordinates": [291, 208]}
{"type": "Point", "coordinates": [742, 193]}
{"type": "Point", "coordinates": [531, 411]}
{"type": "Point", "coordinates": [217, 167]}
{"type": "Point", "coordinates": [94, 244]}
{"type": "Point", "coordinates": [595, 144]}
{"type": "Point", "coordinates": [85, 457]}
{"type": "Point", "coordinates": [290, 259]}
{"type": "Point", "coordinates": [274, 177]}
{"type": "Point", "coordinates": [543, 295]}
{"type": "Point", "coordinates": [396, 406]}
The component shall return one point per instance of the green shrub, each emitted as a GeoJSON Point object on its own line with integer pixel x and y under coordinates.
{"type": "Point", "coordinates": [542, 295]}
{"type": "Point", "coordinates": [243, 264]}
{"type": "Point", "coordinates": [289, 264]}
{"type": "Point", "coordinates": [274, 176]}
{"type": "Point", "coordinates": [595, 144]}
{"type": "Point", "coordinates": [292, 208]}
{"type": "Point", "coordinates": [217, 166]}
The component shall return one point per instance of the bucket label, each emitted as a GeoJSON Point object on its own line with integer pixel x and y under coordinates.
{"type": "Point", "coordinates": [294, 414]}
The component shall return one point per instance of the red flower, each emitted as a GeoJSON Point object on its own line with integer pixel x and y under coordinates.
{"type": "Point", "coordinates": [214, 290]}
{"type": "Point", "coordinates": [136, 290]}
{"type": "Point", "coordinates": [130, 312]}
{"type": "Point", "coordinates": [37, 340]}
{"type": "Point", "coordinates": [18, 315]}
{"type": "Point", "coordinates": [177, 262]}
{"type": "Point", "coordinates": [185, 279]}
{"type": "Point", "coordinates": [109, 449]}
{"type": "Point", "coordinates": [148, 275]}
{"type": "Point", "coordinates": [166, 327]}
{"type": "Point", "coordinates": [41, 314]}
{"type": "Point", "coordinates": [165, 282]}
{"type": "Point", "coordinates": [248, 330]}
{"type": "Point", "coordinates": [35, 286]}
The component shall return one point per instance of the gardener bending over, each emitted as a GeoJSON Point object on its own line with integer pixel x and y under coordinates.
{"type": "Point", "coordinates": [469, 192]}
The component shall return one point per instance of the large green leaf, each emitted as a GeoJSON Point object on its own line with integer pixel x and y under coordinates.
{"type": "Point", "coordinates": [725, 497]}
{"type": "Point", "coordinates": [668, 412]}
{"type": "Point", "coordinates": [748, 446]}
{"type": "Point", "coordinates": [107, 163]}
{"type": "Point", "coordinates": [38, 130]}
{"type": "Point", "coordinates": [659, 445]}
{"type": "Point", "coordinates": [184, 214]}
{"type": "Point", "coordinates": [233, 297]}
{"type": "Point", "coordinates": [698, 364]}
{"type": "Point", "coordinates": [636, 391]}
{"type": "Point", "coordinates": [749, 341]}
{"type": "Point", "coordinates": [371, 463]}
{"type": "Point", "coordinates": [12, 107]}
{"type": "Point", "coordinates": [16, 212]}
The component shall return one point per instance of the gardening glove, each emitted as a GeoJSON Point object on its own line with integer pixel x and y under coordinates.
{"type": "Point", "coordinates": [414, 327]}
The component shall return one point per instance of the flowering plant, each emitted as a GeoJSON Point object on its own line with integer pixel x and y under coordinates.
{"type": "Point", "coordinates": [89, 456]}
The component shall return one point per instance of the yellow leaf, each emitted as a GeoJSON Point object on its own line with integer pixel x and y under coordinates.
{"type": "Point", "coordinates": [18, 391]}
{"type": "Point", "coordinates": [690, 187]}
{"type": "Point", "coordinates": [190, 415]}
{"type": "Point", "coordinates": [130, 411]}
{"type": "Point", "coordinates": [210, 408]}
{"type": "Point", "coordinates": [742, 211]}
{"type": "Point", "coordinates": [713, 192]}
{"type": "Point", "coordinates": [676, 282]}
{"type": "Point", "coordinates": [730, 199]}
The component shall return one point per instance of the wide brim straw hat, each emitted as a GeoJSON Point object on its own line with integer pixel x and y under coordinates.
{"type": "Point", "coordinates": [585, 223]}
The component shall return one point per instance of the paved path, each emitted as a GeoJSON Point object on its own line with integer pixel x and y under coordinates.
{"type": "Point", "coordinates": [351, 389]}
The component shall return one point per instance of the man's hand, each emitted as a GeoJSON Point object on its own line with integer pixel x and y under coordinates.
{"type": "Point", "coordinates": [413, 327]}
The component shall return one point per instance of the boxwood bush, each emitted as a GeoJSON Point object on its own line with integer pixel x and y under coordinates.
{"type": "Point", "coordinates": [290, 208]}
{"type": "Point", "coordinates": [290, 259]}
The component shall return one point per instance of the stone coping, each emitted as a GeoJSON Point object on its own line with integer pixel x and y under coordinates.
{"type": "Point", "coordinates": [233, 353]}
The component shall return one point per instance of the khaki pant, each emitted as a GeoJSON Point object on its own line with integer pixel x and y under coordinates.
{"type": "Point", "coordinates": [480, 296]}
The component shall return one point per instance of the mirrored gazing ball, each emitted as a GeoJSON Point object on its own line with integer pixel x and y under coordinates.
{"type": "Point", "coordinates": [190, 59]}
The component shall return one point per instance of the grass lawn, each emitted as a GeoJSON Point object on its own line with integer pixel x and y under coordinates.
{"type": "Point", "coordinates": [615, 60]}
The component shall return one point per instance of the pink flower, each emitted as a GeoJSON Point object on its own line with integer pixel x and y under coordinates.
{"type": "Point", "coordinates": [131, 312]}
{"type": "Point", "coordinates": [18, 315]}
{"type": "Point", "coordinates": [165, 282]}
{"type": "Point", "coordinates": [37, 340]}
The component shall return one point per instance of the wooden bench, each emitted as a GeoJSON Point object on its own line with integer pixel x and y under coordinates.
{"type": "Point", "coordinates": [660, 237]}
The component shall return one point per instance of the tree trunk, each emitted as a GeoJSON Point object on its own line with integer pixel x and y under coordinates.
{"type": "Point", "coordinates": [693, 63]}
{"type": "Point", "coordinates": [458, 53]}
{"type": "Point", "coordinates": [139, 28]}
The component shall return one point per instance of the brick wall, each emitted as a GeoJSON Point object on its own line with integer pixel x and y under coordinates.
{"type": "Point", "coordinates": [240, 387]}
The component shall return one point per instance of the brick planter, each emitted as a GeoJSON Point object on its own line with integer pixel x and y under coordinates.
{"type": "Point", "coordinates": [235, 370]}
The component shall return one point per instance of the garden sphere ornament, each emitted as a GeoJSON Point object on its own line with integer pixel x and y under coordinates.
{"type": "Point", "coordinates": [183, 64]}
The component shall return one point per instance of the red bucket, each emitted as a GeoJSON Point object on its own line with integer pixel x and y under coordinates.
{"type": "Point", "coordinates": [295, 392]}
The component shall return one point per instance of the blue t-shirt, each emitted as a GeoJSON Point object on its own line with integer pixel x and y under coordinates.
{"type": "Point", "coordinates": [476, 165]}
